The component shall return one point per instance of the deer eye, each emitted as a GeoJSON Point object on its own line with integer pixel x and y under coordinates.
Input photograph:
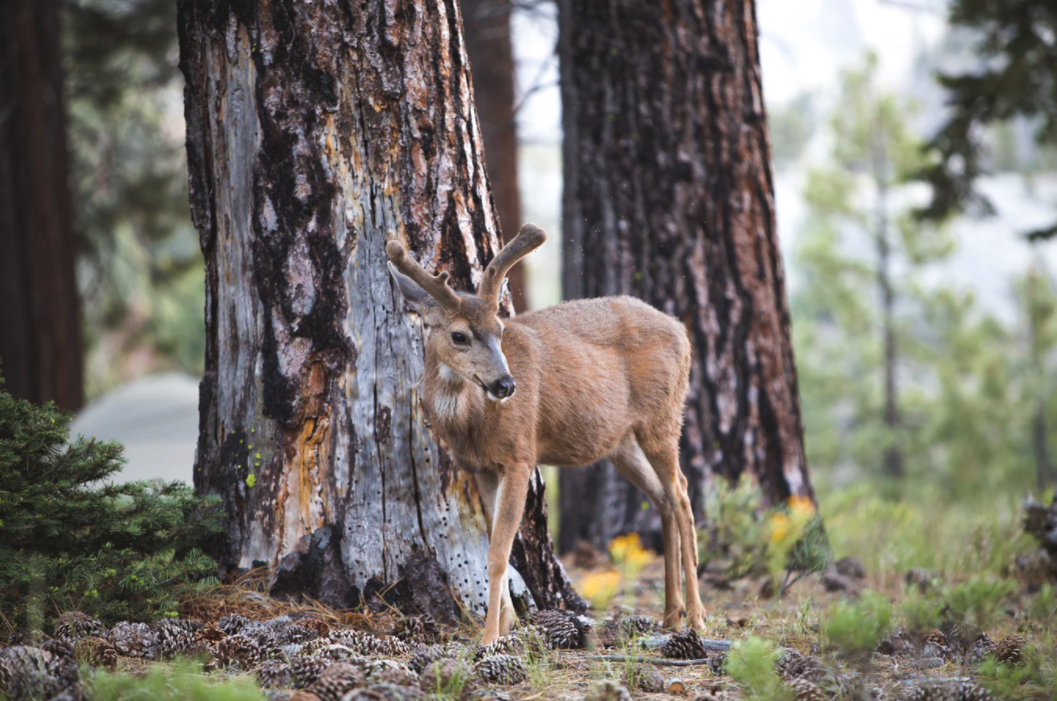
{"type": "Point", "coordinates": [459, 338]}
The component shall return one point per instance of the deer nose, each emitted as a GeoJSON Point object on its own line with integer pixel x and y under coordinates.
{"type": "Point", "coordinates": [504, 387]}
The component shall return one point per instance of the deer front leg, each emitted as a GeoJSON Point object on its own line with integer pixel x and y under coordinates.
{"type": "Point", "coordinates": [507, 506]}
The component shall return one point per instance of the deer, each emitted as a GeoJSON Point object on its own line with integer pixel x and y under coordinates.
{"type": "Point", "coordinates": [565, 386]}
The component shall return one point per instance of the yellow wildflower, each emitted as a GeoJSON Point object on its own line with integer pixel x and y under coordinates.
{"type": "Point", "coordinates": [627, 551]}
{"type": "Point", "coordinates": [600, 587]}
{"type": "Point", "coordinates": [780, 526]}
{"type": "Point", "coordinates": [801, 506]}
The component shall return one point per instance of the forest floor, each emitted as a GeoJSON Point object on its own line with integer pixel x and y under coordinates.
{"type": "Point", "coordinates": [826, 637]}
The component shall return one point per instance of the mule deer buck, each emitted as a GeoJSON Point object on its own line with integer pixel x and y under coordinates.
{"type": "Point", "coordinates": [566, 386]}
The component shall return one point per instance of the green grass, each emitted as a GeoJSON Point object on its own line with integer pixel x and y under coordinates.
{"type": "Point", "coordinates": [185, 682]}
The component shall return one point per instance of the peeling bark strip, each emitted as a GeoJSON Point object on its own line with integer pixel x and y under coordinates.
{"type": "Point", "coordinates": [669, 197]}
{"type": "Point", "coordinates": [315, 131]}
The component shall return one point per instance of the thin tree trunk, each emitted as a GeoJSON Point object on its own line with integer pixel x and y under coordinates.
{"type": "Point", "coordinates": [893, 455]}
{"type": "Point", "coordinates": [40, 328]}
{"type": "Point", "coordinates": [315, 133]}
{"type": "Point", "coordinates": [669, 197]}
{"type": "Point", "coordinates": [491, 57]}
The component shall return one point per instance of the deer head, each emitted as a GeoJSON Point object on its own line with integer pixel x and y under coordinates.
{"type": "Point", "coordinates": [463, 332]}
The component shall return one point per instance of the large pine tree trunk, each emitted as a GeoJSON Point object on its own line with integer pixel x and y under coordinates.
{"type": "Point", "coordinates": [40, 328]}
{"type": "Point", "coordinates": [491, 55]}
{"type": "Point", "coordinates": [669, 197]}
{"type": "Point", "coordinates": [315, 132]}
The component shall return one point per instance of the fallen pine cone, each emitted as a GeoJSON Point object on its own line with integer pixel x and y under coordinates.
{"type": "Point", "coordinates": [805, 690]}
{"type": "Point", "coordinates": [443, 675]}
{"type": "Point", "coordinates": [74, 624]}
{"type": "Point", "coordinates": [238, 650]}
{"type": "Point", "coordinates": [563, 630]}
{"type": "Point", "coordinates": [133, 640]}
{"type": "Point", "coordinates": [684, 645]}
{"type": "Point", "coordinates": [273, 673]}
{"type": "Point", "coordinates": [1010, 649]}
{"type": "Point", "coordinates": [210, 634]}
{"type": "Point", "coordinates": [305, 670]}
{"type": "Point", "coordinates": [337, 680]}
{"type": "Point", "coordinates": [96, 652]}
{"type": "Point", "coordinates": [233, 623]}
{"type": "Point", "coordinates": [501, 669]}
{"type": "Point", "coordinates": [645, 677]}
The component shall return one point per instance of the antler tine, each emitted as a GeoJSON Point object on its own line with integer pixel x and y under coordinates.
{"type": "Point", "coordinates": [435, 285]}
{"type": "Point", "coordinates": [527, 240]}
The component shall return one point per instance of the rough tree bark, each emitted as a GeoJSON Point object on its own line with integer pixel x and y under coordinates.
{"type": "Point", "coordinates": [491, 55]}
{"type": "Point", "coordinates": [669, 197]}
{"type": "Point", "coordinates": [315, 132]}
{"type": "Point", "coordinates": [40, 328]}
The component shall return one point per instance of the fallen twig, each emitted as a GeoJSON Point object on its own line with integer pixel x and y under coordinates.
{"type": "Point", "coordinates": [642, 659]}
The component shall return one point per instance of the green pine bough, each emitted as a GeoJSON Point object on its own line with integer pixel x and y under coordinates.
{"type": "Point", "coordinates": [71, 541]}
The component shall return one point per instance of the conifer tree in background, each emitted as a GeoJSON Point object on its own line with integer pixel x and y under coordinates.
{"type": "Point", "coordinates": [1038, 304]}
{"type": "Point", "coordinates": [70, 541]}
{"type": "Point", "coordinates": [1016, 76]}
{"type": "Point", "coordinates": [858, 239]}
{"type": "Point", "coordinates": [867, 319]}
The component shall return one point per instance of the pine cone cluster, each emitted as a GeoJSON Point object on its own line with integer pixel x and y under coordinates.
{"type": "Point", "coordinates": [500, 669]}
{"type": "Point", "coordinates": [684, 645]}
{"type": "Point", "coordinates": [238, 651]}
{"type": "Point", "coordinates": [1011, 649]}
{"type": "Point", "coordinates": [60, 647]}
{"type": "Point", "coordinates": [133, 640]}
{"type": "Point", "coordinates": [793, 665]}
{"type": "Point", "coordinates": [74, 624]}
{"type": "Point", "coordinates": [97, 652]}
{"type": "Point", "coordinates": [949, 690]}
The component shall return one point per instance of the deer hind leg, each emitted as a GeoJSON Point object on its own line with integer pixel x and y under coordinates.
{"type": "Point", "coordinates": [663, 456]}
{"type": "Point", "coordinates": [504, 499]}
{"type": "Point", "coordinates": [631, 462]}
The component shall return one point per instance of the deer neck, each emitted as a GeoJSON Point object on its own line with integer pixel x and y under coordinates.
{"type": "Point", "coordinates": [455, 405]}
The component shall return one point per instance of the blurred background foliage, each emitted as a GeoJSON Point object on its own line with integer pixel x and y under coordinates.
{"type": "Point", "coordinates": [140, 269]}
{"type": "Point", "coordinates": [916, 391]}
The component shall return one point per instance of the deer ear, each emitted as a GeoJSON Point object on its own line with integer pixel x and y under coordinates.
{"type": "Point", "coordinates": [417, 298]}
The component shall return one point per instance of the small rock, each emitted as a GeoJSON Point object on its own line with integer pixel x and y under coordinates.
{"type": "Point", "coordinates": [919, 577]}
{"type": "Point", "coordinates": [833, 580]}
{"type": "Point", "coordinates": [851, 567]}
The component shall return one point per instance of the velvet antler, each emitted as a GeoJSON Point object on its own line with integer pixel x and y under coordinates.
{"type": "Point", "coordinates": [527, 240]}
{"type": "Point", "coordinates": [435, 285]}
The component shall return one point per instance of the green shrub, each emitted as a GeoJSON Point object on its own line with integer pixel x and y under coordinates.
{"type": "Point", "coordinates": [856, 628]}
{"type": "Point", "coordinates": [919, 612]}
{"type": "Point", "coordinates": [751, 665]}
{"type": "Point", "coordinates": [184, 683]}
{"type": "Point", "coordinates": [974, 605]}
{"type": "Point", "coordinates": [68, 541]}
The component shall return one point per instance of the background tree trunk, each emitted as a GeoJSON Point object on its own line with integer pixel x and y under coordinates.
{"type": "Point", "coordinates": [491, 55]}
{"type": "Point", "coordinates": [316, 132]}
{"type": "Point", "coordinates": [40, 329]}
{"type": "Point", "coordinates": [669, 197]}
